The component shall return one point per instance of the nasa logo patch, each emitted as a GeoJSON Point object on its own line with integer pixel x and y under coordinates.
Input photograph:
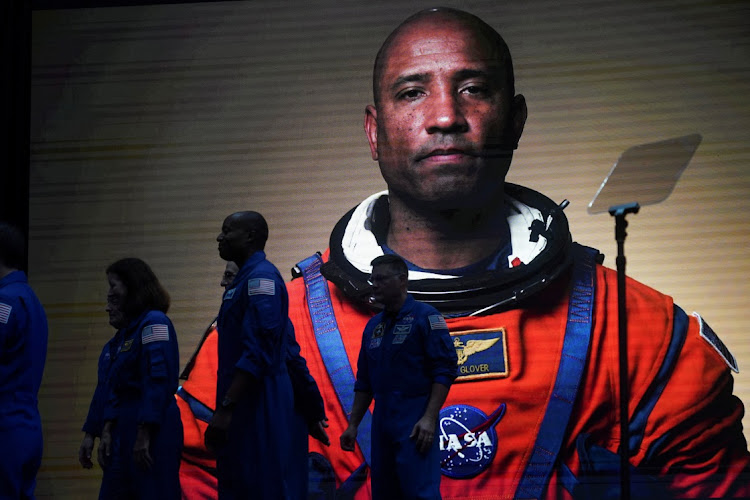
{"type": "Point", "coordinates": [467, 440]}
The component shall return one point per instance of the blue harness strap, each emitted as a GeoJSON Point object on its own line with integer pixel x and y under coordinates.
{"type": "Point", "coordinates": [331, 345]}
{"type": "Point", "coordinates": [200, 410]}
{"type": "Point", "coordinates": [569, 374]}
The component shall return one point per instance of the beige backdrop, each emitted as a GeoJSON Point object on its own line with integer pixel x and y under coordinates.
{"type": "Point", "coordinates": [150, 124]}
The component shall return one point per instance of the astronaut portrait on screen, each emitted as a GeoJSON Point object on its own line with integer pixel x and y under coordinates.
{"type": "Point", "coordinates": [533, 412]}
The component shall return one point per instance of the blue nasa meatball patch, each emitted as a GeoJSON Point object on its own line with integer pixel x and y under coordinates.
{"type": "Point", "coordinates": [467, 439]}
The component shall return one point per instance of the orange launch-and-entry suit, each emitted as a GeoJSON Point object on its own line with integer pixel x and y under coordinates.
{"type": "Point", "coordinates": [509, 329]}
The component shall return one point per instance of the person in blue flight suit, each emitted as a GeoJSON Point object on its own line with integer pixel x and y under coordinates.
{"type": "Point", "coordinates": [133, 411]}
{"type": "Point", "coordinates": [23, 350]}
{"type": "Point", "coordinates": [309, 417]}
{"type": "Point", "coordinates": [249, 431]}
{"type": "Point", "coordinates": [407, 362]}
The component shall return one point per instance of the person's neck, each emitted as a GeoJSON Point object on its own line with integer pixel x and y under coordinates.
{"type": "Point", "coordinates": [447, 239]}
{"type": "Point", "coordinates": [5, 271]}
{"type": "Point", "coordinates": [241, 261]}
{"type": "Point", "coordinates": [394, 307]}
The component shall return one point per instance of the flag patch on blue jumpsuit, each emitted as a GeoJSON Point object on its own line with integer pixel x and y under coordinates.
{"type": "Point", "coordinates": [437, 321]}
{"type": "Point", "coordinates": [261, 286]}
{"type": "Point", "coordinates": [5, 310]}
{"type": "Point", "coordinates": [481, 354]}
{"type": "Point", "coordinates": [709, 336]}
{"type": "Point", "coordinates": [154, 333]}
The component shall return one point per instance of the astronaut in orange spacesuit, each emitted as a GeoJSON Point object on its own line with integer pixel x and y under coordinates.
{"type": "Point", "coordinates": [533, 316]}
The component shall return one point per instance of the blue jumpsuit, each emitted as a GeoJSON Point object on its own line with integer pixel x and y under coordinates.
{"type": "Point", "coordinates": [253, 336]}
{"type": "Point", "coordinates": [138, 371]}
{"type": "Point", "coordinates": [400, 358]}
{"type": "Point", "coordinates": [23, 349]}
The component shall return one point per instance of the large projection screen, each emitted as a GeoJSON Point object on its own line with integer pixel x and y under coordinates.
{"type": "Point", "coordinates": [152, 123]}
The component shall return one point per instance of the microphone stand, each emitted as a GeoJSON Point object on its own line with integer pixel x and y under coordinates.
{"type": "Point", "coordinates": [619, 212]}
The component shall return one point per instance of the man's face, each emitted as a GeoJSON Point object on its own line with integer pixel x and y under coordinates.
{"type": "Point", "coordinates": [386, 284]}
{"type": "Point", "coordinates": [445, 122]}
{"type": "Point", "coordinates": [232, 239]}
{"type": "Point", "coordinates": [116, 297]}
{"type": "Point", "coordinates": [230, 272]}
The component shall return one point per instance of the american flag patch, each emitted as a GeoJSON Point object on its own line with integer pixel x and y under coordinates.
{"type": "Point", "coordinates": [437, 322]}
{"type": "Point", "coordinates": [710, 336]}
{"type": "Point", "coordinates": [261, 286]}
{"type": "Point", "coordinates": [5, 310]}
{"type": "Point", "coordinates": [154, 333]}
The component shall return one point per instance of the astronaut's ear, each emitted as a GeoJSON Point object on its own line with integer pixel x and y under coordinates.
{"type": "Point", "coordinates": [371, 129]}
{"type": "Point", "coordinates": [518, 120]}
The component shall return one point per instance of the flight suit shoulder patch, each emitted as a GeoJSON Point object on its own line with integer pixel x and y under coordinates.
{"type": "Point", "coordinates": [437, 322]}
{"type": "Point", "coordinates": [710, 336]}
{"type": "Point", "coordinates": [155, 333]}
{"type": "Point", "coordinates": [5, 310]}
{"type": "Point", "coordinates": [261, 286]}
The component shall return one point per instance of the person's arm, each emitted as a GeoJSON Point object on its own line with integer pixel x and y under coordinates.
{"type": "Point", "coordinates": [159, 372]}
{"type": "Point", "coordinates": [362, 396]}
{"type": "Point", "coordinates": [94, 423]}
{"type": "Point", "coordinates": [424, 430]}
{"type": "Point", "coordinates": [105, 445]}
{"type": "Point", "coordinates": [362, 402]}
{"type": "Point", "coordinates": [307, 399]}
{"type": "Point", "coordinates": [262, 323]}
{"type": "Point", "coordinates": [442, 359]}
{"type": "Point", "coordinates": [216, 434]}
{"type": "Point", "coordinates": [692, 431]}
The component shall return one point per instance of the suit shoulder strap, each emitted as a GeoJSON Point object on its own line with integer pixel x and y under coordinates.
{"type": "Point", "coordinates": [569, 374]}
{"type": "Point", "coordinates": [330, 344]}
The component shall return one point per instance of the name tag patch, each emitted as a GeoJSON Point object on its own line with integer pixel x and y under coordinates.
{"type": "Point", "coordinates": [481, 354]}
{"type": "Point", "coordinates": [467, 440]}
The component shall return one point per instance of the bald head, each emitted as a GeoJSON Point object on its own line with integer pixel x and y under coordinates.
{"type": "Point", "coordinates": [242, 234]}
{"type": "Point", "coordinates": [443, 18]}
{"type": "Point", "coordinates": [255, 224]}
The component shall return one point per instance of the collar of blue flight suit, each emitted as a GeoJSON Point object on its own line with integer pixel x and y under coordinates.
{"type": "Point", "coordinates": [13, 277]}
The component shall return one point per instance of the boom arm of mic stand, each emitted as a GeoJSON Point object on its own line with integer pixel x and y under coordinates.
{"type": "Point", "coordinates": [619, 212]}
